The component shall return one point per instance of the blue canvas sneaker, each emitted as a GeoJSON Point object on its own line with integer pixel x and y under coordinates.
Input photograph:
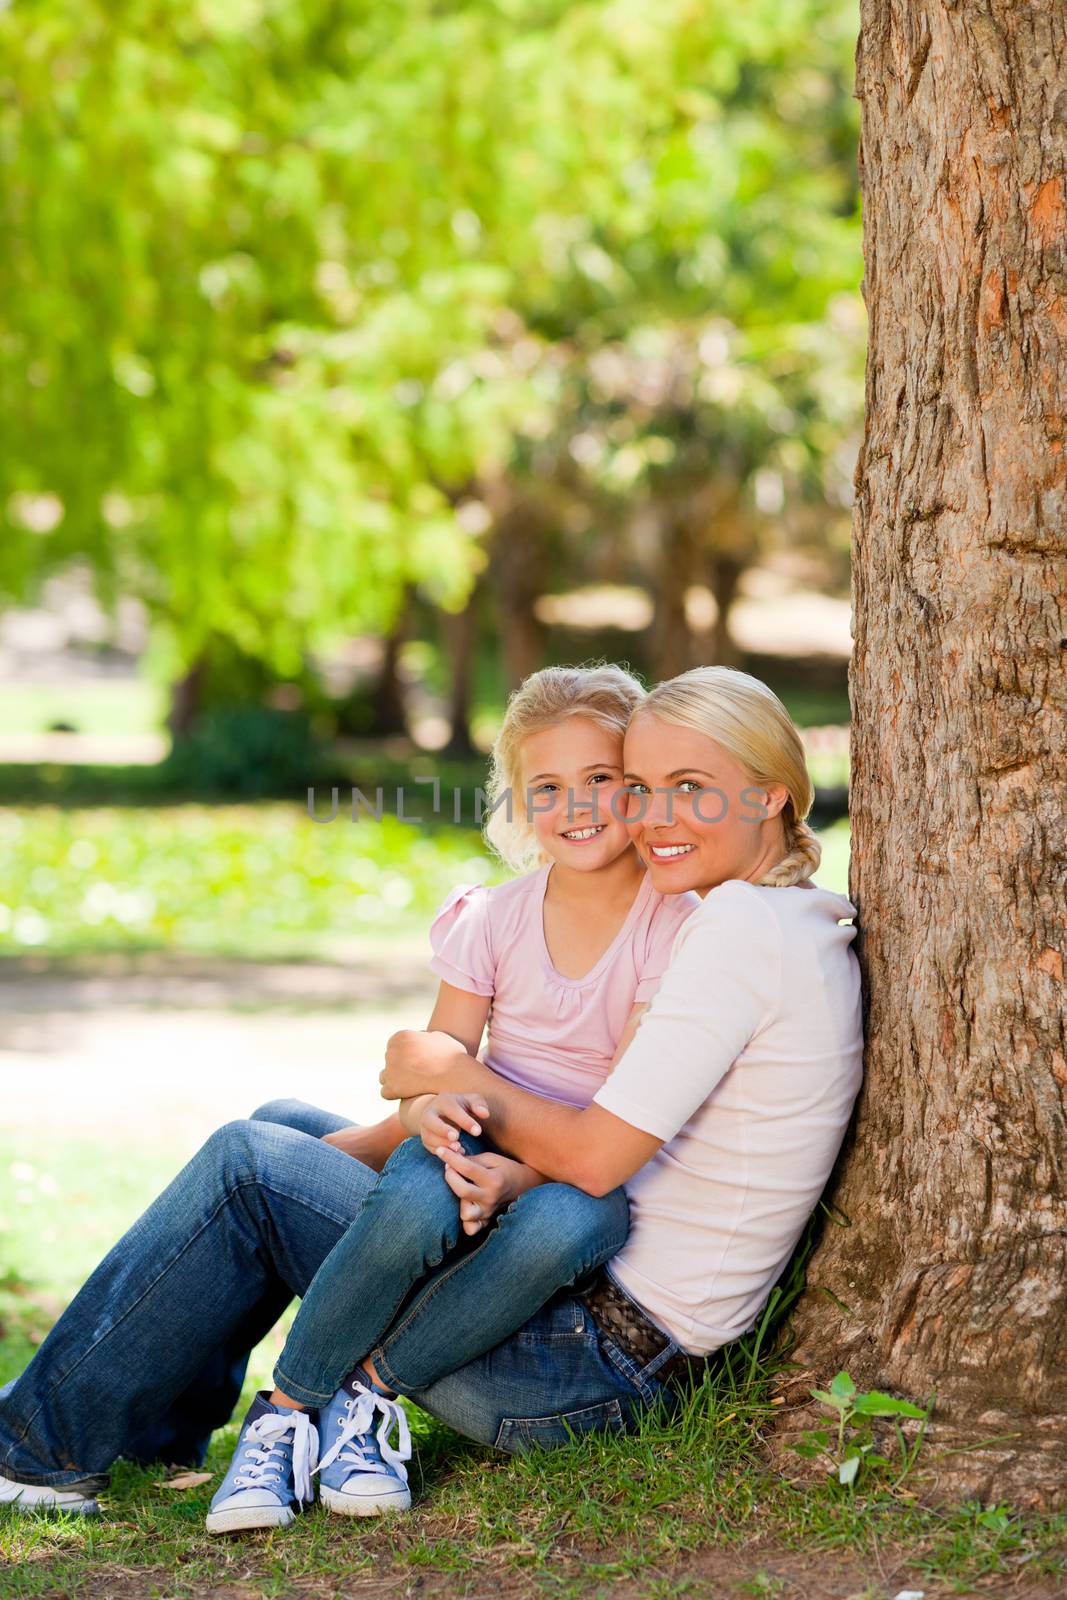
{"type": "Point", "coordinates": [269, 1481]}
{"type": "Point", "coordinates": [360, 1473]}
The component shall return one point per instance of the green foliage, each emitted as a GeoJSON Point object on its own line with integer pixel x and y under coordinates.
{"type": "Point", "coordinates": [246, 751]}
{"type": "Point", "coordinates": [855, 1448]}
{"type": "Point", "coordinates": [248, 880]}
{"type": "Point", "coordinates": [286, 289]}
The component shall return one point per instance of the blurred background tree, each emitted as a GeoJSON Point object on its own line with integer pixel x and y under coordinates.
{"type": "Point", "coordinates": [325, 320]}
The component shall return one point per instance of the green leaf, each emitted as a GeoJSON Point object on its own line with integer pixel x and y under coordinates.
{"type": "Point", "coordinates": [838, 1402]}
{"type": "Point", "coordinates": [876, 1404]}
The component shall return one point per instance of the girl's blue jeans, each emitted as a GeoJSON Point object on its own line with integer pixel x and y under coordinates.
{"type": "Point", "coordinates": [150, 1356]}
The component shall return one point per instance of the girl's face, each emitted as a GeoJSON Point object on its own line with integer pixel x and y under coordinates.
{"type": "Point", "coordinates": [574, 795]}
{"type": "Point", "coordinates": [695, 815]}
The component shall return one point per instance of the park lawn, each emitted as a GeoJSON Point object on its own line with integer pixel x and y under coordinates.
{"type": "Point", "coordinates": [687, 1507]}
{"type": "Point", "coordinates": [254, 880]}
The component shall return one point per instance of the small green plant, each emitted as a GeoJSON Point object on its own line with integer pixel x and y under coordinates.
{"type": "Point", "coordinates": [854, 1447]}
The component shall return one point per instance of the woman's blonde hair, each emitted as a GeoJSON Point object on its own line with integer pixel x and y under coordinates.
{"type": "Point", "coordinates": [606, 694]}
{"type": "Point", "coordinates": [748, 719]}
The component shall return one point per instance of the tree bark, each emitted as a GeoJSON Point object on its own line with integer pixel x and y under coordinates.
{"type": "Point", "coordinates": [518, 571]}
{"type": "Point", "coordinates": [954, 1268]}
{"type": "Point", "coordinates": [725, 572]}
{"type": "Point", "coordinates": [673, 646]}
{"type": "Point", "coordinates": [390, 710]}
{"type": "Point", "coordinates": [459, 631]}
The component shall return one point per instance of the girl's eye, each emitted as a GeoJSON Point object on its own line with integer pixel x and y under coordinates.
{"type": "Point", "coordinates": [601, 777]}
{"type": "Point", "coordinates": [543, 788]}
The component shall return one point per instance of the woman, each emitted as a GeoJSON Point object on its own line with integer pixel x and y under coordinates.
{"type": "Point", "coordinates": [722, 1118]}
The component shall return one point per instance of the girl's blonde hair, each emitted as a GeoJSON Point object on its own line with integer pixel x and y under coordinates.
{"type": "Point", "coordinates": [606, 694]}
{"type": "Point", "coordinates": [748, 719]}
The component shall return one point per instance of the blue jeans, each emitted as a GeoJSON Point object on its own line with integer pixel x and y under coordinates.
{"type": "Point", "coordinates": [550, 1237]}
{"type": "Point", "coordinates": [150, 1355]}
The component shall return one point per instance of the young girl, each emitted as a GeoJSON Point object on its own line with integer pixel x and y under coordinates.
{"type": "Point", "coordinates": [562, 962]}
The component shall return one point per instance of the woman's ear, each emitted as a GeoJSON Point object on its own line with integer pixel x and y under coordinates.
{"type": "Point", "coordinates": [775, 796]}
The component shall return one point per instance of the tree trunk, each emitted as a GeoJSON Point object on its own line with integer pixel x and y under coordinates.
{"type": "Point", "coordinates": [519, 574]}
{"type": "Point", "coordinates": [390, 711]}
{"type": "Point", "coordinates": [725, 572]}
{"type": "Point", "coordinates": [673, 646]}
{"type": "Point", "coordinates": [460, 636]}
{"type": "Point", "coordinates": [954, 1268]}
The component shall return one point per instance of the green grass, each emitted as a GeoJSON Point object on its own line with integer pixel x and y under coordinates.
{"type": "Point", "coordinates": [256, 879]}
{"type": "Point", "coordinates": [253, 880]}
{"type": "Point", "coordinates": [685, 1506]}
{"type": "Point", "coordinates": [88, 705]}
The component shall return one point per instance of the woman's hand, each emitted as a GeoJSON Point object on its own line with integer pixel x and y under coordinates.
{"type": "Point", "coordinates": [442, 1117]}
{"type": "Point", "coordinates": [485, 1184]}
{"type": "Point", "coordinates": [416, 1063]}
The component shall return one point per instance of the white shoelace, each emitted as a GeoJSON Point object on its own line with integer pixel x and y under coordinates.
{"type": "Point", "coordinates": [361, 1413]}
{"type": "Point", "coordinates": [265, 1468]}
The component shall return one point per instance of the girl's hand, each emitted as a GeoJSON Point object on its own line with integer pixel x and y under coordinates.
{"type": "Point", "coordinates": [444, 1115]}
{"type": "Point", "coordinates": [416, 1062]}
{"type": "Point", "coordinates": [485, 1184]}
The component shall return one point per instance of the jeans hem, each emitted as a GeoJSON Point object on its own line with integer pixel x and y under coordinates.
{"type": "Point", "coordinates": [91, 1485]}
{"type": "Point", "coordinates": [296, 1391]}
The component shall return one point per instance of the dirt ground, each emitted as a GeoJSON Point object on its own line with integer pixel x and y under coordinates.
{"type": "Point", "coordinates": [175, 1045]}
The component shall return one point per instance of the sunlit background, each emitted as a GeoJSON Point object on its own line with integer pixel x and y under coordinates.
{"type": "Point", "coordinates": [356, 360]}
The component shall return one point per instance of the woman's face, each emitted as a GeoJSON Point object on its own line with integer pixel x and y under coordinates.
{"type": "Point", "coordinates": [695, 815]}
{"type": "Point", "coordinates": [574, 794]}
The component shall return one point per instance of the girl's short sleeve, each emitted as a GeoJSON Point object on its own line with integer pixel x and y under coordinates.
{"type": "Point", "coordinates": [459, 935]}
{"type": "Point", "coordinates": [670, 915]}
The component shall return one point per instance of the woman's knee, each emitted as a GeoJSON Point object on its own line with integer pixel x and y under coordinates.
{"type": "Point", "coordinates": [237, 1149]}
{"type": "Point", "coordinates": [287, 1112]}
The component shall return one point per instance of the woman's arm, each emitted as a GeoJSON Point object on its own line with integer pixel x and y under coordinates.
{"type": "Point", "coordinates": [591, 1149]}
{"type": "Point", "coordinates": [722, 986]}
{"type": "Point", "coordinates": [614, 1148]}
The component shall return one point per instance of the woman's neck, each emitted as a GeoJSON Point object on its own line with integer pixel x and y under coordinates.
{"type": "Point", "coordinates": [775, 851]}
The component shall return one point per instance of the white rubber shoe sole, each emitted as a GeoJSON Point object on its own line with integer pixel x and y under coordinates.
{"type": "Point", "coordinates": [237, 1518]}
{"type": "Point", "coordinates": [39, 1497]}
{"type": "Point", "coordinates": [366, 1505]}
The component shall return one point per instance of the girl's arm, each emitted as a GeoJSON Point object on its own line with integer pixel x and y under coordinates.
{"type": "Point", "coordinates": [460, 1015]}
{"type": "Point", "coordinates": [541, 1134]}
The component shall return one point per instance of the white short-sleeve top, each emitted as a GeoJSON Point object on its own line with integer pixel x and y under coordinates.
{"type": "Point", "coordinates": [746, 1064]}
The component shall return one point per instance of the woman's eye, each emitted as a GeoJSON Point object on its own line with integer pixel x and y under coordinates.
{"type": "Point", "coordinates": [637, 788]}
{"type": "Point", "coordinates": [690, 784]}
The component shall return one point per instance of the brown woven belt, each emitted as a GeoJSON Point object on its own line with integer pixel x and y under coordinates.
{"type": "Point", "coordinates": [625, 1324]}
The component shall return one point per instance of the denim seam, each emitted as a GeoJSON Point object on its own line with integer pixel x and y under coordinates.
{"type": "Point", "coordinates": [247, 1183]}
{"type": "Point", "coordinates": [381, 1366]}
{"type": "Point", "coordinates": [300, 1390]}
{"type": "Point", "coordinates": [610, 1408]}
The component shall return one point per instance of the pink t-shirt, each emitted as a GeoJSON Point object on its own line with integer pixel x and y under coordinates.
{"type": "Point", "coordinates": [553, 1035]}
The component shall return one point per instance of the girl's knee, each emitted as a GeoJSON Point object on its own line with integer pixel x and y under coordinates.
{"type": "Point", "coordinates": [565, 1219]}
